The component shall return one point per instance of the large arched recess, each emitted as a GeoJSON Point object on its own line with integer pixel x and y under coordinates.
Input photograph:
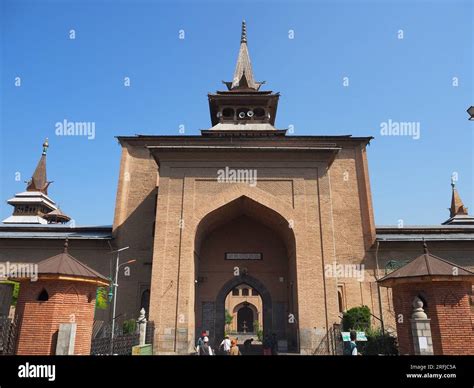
{"type": "Point", "coordinates": [262, 212]}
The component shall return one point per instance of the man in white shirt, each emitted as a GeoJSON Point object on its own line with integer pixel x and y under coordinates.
{"type": "Point", "coordinates": [225, 345]}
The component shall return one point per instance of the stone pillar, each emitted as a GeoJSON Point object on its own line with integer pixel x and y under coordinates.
{"type": "Point", "coordinates": [66, 339]}
{"type": "Point", "coordinates": [142, 326]}
{"type": "Point", "coordinates": [421, 330]}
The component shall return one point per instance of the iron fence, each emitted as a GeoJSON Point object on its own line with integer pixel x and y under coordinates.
{"type": "Point", "coordinates": [122, 343]}
{"type": "Point", "coordinates": [8, 334]}
{"type": "Point", "coordinates": [330, 343]}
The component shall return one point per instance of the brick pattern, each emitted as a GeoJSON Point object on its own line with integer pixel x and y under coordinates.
{"type": "Point", "coordinates": [450, 313]}
{"type": "Point", "coordinates": [68, 302]}
{"type": "Point", "coordinates": [327, 227]}
{"type": "Point", "coordinates": [282, 189]}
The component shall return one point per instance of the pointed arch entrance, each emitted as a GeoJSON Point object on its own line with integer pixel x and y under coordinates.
{"type": "Point", "coordinates": [245, 242]}
{"type": "Point", "coordinates": [246, 316]}
{"type": "Point", "coordinates": [245, 319]}
{"type": "Point", "coordinates": [228, 287]}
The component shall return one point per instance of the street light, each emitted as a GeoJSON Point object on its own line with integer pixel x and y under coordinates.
{"type": "Point", "coordinates": [115, 285]}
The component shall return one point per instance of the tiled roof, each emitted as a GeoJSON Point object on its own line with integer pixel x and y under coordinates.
{"type": "Point", "coordinates": [65, 264]}
{"type": "Point", "coordinates": [427, 265]}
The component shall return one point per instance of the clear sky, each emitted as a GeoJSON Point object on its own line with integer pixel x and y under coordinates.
{"type": "Point", "coordinates": [426, 78]}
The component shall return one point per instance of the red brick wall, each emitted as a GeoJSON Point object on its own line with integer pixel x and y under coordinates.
{"type": "Point", "coordinates": [447, 307]}
{"type": "Point", "coordinates": [68, 302]}
{"type": "Point", "coordinates": [454, 318]}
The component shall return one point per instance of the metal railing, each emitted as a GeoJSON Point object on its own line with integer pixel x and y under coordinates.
{"type": "Point", "coordinates": [8, 334]}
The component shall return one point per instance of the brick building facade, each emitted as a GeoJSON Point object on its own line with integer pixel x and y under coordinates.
{"type": "Point", "coordinates": [246, 203]}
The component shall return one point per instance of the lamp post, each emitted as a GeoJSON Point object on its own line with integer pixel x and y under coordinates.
{"type": "Point", "coordinates": [115, 290]}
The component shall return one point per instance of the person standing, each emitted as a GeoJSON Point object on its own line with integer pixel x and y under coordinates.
{"type": "Point", "coordinates": [353, 345]}
{"type": "Point", "coordinates": [234, 349]}
{"type": "Point", "coordinates": [200, 341]}
{"type": "Point", "coordinates": [225, 345]}
{"type": "Point", "coordinates": [205, 349]}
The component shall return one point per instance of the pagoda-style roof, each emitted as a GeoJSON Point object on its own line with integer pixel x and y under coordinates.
{"type": "Point", "coordinates": [243, 101]}
{"type": "Point", "coordinates": [425, 268]}
{"type": "Point", "coordinates": [66, 267]}
{"type": "Point", "coordinates": [39, 181]}
{"type": "Point", "coordinates": [458, 214]}
{"type": "Point", "coordinates": [32, 197]}
{"type": "Point", "coordinates": [56, 216]}
{"type": "Point", "coordinates": [243, 79]}
{"type": "Point", "coordinates": [34, 206]}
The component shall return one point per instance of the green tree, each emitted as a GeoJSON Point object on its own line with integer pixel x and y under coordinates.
{"type": "Point", "coordinates": [129, 326]}
{"type": "Point", "coordinates": [258, 330]}
{"type": "Point", "coordinates": [101, 298]}
{"type": "Point", "coordinates": [228, 321]}
{"type": "Point", "coordinates": [356, 318]}
{"type": "Point", "coordinates": [228, 318]}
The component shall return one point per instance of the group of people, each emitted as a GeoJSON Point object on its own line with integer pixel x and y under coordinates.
{"type": "Point", "coordinates": [229, 347]}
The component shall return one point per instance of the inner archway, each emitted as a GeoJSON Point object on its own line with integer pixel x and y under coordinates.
{"type": "Point", "coordinates": [243, 307]}
{"type": "Point", "coordinates": [245, 244]}
{"type": "Point", "coordinates": [264, 294]}
{"type": "Point", "coordinates": [245, 319]}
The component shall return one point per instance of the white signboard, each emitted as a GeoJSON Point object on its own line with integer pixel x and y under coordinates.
{"type": "Point", "coordinates": [423, 343]}
{"type": "Point", "coordinates": [346, 336]}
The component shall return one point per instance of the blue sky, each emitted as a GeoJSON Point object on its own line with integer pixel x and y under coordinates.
{"type": "Point", "coordinates": [82, 79]}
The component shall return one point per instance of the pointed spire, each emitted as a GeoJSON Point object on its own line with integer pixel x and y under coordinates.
{"type": "Point", "coordinates": [457, 206]}
{"type": "Point", "coordinates": [243, 74]}
{"type": "Point", "coordinates": [243, 37]}
{"type": "Point", "coordinates": [45, 146]}
{"type": "Point", "coordinates": [66, 245]}
{"type": "Point", "coordinates": [39, 181]}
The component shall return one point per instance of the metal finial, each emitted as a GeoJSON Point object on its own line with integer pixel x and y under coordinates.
{"type": "Point", "coordinates": [45, 146]}
{"type": "Point", "coordinates": [66, 245]}
{"type": "Point", "coordinates": [425, 247]}
{"type": "Point", "coordinates": [243, 37]}
{"type": "Point", "coordinates": [453, 182]}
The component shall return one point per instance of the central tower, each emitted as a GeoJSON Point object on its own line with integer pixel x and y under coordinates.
{"type": "Point", "coordinates": [243, 107]}
{"type": "Point", "coordinates": [279, 230]}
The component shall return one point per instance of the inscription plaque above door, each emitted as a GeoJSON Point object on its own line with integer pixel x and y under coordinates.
{"type": "Point", "coordinates": [243, 256]}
